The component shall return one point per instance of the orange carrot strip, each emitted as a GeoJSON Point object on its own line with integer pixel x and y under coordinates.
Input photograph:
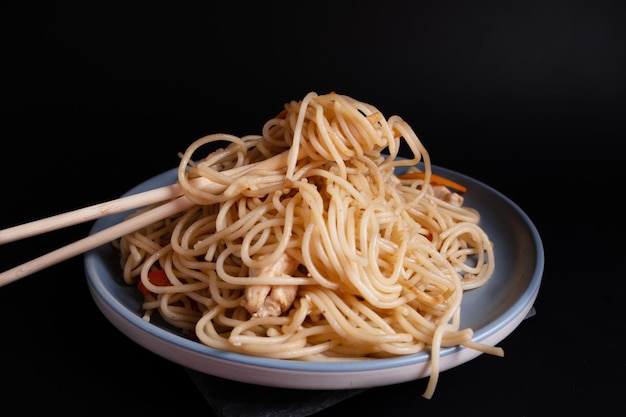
{"type": "Point", "coordinates": [157, 277]}
{"type": "Point", "coordinates": [435, 179]}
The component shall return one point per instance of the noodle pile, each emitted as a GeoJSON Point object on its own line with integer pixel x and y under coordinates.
{"type": "Point", "coordinates": [313, 249]}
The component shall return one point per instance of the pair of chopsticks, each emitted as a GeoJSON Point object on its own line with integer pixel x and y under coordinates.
{"type": "Point", "coordinates": [172, 192]}
{"type": "Point", "coordinates": [178, 202]}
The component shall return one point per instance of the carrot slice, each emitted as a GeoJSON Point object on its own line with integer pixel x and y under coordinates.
{"type": "Point", "coordinates": [157, 277]}
{"type": "Point", "coordinates": [435, 179]}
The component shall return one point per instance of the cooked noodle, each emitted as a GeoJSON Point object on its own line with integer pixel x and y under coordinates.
{"type": "Point", "coordinates": [316, 249]}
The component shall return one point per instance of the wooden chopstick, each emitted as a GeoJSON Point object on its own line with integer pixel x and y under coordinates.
{"type": "Point", "coordinates": [85, 214]}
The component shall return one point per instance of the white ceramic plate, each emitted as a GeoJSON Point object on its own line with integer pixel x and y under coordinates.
{"type": "Point", "coordinates": [493, 311]}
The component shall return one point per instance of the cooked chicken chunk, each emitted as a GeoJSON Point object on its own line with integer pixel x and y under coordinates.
{"type": "Point", "coordinates": [271, 300]}
{"type": "Point", "coordinates": [443, 193]}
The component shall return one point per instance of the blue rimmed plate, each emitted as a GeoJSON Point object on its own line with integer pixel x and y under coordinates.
{"type": "Point", "coordinates": [493, 311]}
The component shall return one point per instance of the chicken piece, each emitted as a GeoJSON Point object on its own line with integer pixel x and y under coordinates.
{"type": "Point", "coordinates": [278, 301]}
{"type": "Point", "coordinates": [271, 300]}
{"type": "Point", "coordinates": [443, 193]}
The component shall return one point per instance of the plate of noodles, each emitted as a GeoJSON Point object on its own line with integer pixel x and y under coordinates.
{"type": "Point", "coordinates": [337, 265]}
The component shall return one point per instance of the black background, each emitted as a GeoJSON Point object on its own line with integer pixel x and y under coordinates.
{"type": "Point", "coordinates": [527, 97]}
